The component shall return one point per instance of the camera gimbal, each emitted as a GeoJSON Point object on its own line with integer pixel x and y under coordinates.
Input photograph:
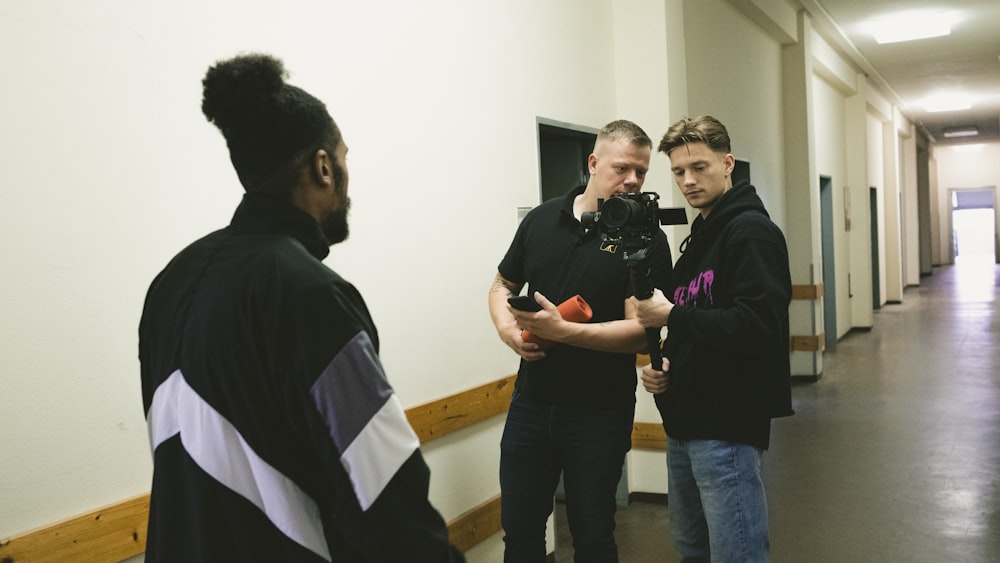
{"type": "Point", "coordinates": [630, 220]}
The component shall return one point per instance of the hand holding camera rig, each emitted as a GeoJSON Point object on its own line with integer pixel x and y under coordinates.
{"type": "Point", "coordinates": [630, 221]}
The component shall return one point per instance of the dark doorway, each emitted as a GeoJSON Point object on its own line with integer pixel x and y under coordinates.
{"type": "Point", "coordinates": [563, 150]}
{"type": "Point", "coordinates": [829, 275]}
{"type": "Point", "coordinates": [876, 278]}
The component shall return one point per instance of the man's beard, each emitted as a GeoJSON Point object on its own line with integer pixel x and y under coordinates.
{"type": "Point", "coordinates": [335, 226]}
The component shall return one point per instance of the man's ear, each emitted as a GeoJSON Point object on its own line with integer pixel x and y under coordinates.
{"type": "Point", "coordinates": [322, 168]}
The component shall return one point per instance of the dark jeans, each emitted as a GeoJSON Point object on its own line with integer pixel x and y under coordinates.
{"type": "Point", "coordinates": [589, 449]}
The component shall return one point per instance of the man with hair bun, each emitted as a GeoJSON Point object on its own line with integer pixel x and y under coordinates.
{"type": "Point", "coordinates": [275, 434]}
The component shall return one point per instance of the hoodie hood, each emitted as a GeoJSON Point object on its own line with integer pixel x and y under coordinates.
{"type": "Point", "coordinates": [741, 197]}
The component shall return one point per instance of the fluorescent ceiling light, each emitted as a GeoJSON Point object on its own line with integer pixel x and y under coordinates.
{"type": "Point", "coordinates": [955, 132]}
{"type": "Point", "coordinates": [947, 102]}
{"type": "Point", "coordinates": [910, 26]}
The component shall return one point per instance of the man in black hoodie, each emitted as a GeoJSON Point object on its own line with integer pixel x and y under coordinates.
{"type": "Point", "coordinates": [725, 371]}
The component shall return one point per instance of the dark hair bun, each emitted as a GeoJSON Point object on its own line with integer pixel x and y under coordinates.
{"type": "Point", "coordinates": [242, 91]}
{"type": "Point", "coordinates": [268, 124]}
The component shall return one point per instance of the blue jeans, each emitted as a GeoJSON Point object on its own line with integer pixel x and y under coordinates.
{"type": "Point", "coordinates": [716, 502]}
{"type": "Point", "coordinates": [589, 449]}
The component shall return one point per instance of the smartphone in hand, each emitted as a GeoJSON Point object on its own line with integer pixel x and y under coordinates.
{"type": "Point", "coordinates": [524, 303]}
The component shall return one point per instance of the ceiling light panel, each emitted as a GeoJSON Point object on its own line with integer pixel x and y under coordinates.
{"type": "Point", "coordinates": [947, 101]}
{"type": "Point", "coordinates": [957, 132]}
{"type": "Point", "coordinates": [910, 26]}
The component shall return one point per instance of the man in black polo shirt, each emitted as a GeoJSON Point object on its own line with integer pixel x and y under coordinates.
{"type": "Point", "coordinates": [574, 402]}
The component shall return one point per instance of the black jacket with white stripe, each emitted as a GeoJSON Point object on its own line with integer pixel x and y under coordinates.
{"type": "Point", "coordinates": [275, 434]}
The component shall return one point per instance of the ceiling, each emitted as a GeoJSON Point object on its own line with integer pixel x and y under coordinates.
{"type": "Point", "coordinates": [967, 60]}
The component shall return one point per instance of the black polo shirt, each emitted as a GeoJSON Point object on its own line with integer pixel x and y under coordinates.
{"type": "Point", "coordinates": [554, 254]}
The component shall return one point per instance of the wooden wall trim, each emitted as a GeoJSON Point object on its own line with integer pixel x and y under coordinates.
{"type": "Point", "coordinates": [649, 436]}
{"type": "Point", "coordinates": [112, 533]}
{"type": "Point", "coordinates": [118, 531]}
{"type": "Point", "coordinates": [442, 417]}
{"type": "Point", "coordinates": [811, 343]}
{"type": "Point", "coordinates": [472, 527]}
{"type": "Point", "coordinates": [808, 292]}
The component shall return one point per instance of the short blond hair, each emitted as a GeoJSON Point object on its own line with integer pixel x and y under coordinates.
{"type": "Point", "coordinates": [625, 130]}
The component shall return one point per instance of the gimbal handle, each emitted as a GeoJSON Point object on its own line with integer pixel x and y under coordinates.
{"type": "Point", "coordinates": [638, 273]}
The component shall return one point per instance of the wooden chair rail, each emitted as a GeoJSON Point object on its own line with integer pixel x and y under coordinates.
{"type": "Point", "coordinates": [649, 436]}
{"type": "Point", "coordinates": [442, 417]}
{"type": "Point", "coordinates": [118, 531]}
{"type": "Point", "coordinates": [810, 292]}
{"type": "Point", "coordinates": [812, 342]}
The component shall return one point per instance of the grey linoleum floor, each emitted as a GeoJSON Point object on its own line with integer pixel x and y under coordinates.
{"type": "Point", "coordinates": [894, 453]}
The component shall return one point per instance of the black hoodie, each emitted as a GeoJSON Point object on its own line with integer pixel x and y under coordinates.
{"type": "Point", "coordinates": [728, 337]}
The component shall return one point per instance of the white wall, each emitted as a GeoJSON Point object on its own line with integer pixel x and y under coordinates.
{"type": "Point", "coordinates": [721, 45]}
{"type": "Point", "coordinates": [897, 208]}
{"type": "Point", "coordinates": [110, 168]}
{"type": "Point", "coordinates": [909, 209]}
{"type": "Point", "coordinates": [968, 168]}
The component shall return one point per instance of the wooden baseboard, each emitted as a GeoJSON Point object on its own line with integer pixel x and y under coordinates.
{"type": "Point", "coordinates": [112, 533]}
{"type": "Point", "coordinates": [475, 525]}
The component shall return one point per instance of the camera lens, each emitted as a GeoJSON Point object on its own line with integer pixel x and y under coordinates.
{"type": "Point", "coordinates": [619, 212]}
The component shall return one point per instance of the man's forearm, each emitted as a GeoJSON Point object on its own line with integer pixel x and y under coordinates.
{"type": "Point", "coordinates": [500, 290]}
{"type": "Point", "coordinates": [623, 336]}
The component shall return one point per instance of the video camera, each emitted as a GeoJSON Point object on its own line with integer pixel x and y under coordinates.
{"type": "Point", "coordinates": [632, 219]}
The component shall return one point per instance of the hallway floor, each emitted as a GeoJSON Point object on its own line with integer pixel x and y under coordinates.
{"type": "Point", "coordinates": [894, 454]}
